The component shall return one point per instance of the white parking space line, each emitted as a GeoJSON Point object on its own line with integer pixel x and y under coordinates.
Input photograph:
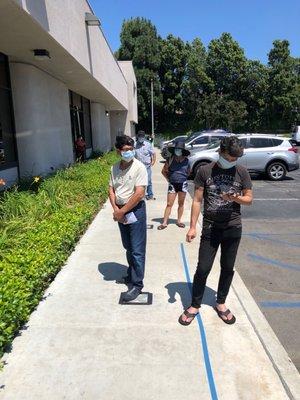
{"type": "Point", "coordinates": [276, 199]}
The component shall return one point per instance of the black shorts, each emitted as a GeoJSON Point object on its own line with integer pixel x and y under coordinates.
{"type": "Point", "coordinates": [178, 187]}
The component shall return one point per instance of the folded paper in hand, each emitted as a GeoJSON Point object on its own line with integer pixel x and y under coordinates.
{"type": "Point", "coordinates": [130, 218]}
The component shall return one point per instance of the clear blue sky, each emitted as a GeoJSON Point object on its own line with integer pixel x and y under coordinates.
{"type": "Point", "coordinates": [253, 23]}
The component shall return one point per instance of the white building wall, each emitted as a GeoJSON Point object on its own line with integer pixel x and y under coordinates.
{"type": "Point", "coordinates": [118, 125]}
{"type": "Point", "coordinates": [129, 74]}
{"type": "Point", "coordinates": [132, 115]}
{"type": "Point", "coordinates": [42, 120]}
{"type": "Point", "coordinates": [65, 22]}
{"type": "Point", "coordinates": [100, 128]}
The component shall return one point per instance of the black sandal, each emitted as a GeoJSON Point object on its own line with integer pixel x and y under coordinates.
{"type": "Point", "coordinates": [225, 314]}
{"type": "Point", "coordinates": [161, 227]}
{"type": "Point", "coordinates": [189, 315]}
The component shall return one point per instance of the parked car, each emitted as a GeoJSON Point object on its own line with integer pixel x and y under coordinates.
{"type": "Point", "coordinates": [204, 139]}
{"type": "Point", "coordinates": [296, 135]}
{"type": "Point", "coordinates": [273, 155]}
{"type": "Point", "coordinates": [199, 133]}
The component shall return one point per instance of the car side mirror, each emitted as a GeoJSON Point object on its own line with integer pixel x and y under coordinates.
{"type": "Point", "coordinates": [192, 145]}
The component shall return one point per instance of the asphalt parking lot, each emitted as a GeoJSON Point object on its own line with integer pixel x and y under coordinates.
{"type": "Point", "coordinates": [269, 256]}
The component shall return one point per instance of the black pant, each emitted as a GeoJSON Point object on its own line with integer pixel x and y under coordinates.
{"type": "Point", "coordinates": [212, 237]}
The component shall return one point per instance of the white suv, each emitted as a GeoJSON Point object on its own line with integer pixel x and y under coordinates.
{"type": "Point", "coordinates": [273, 155]}
{"type": "Point", "coordinates": [296, 135]}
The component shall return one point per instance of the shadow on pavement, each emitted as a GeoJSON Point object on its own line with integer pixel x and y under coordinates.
{"type": "Point", "coordinates": [184, 290]}
{"type": "Point", "coordinates": [112, 271]}
{"type": "Point", "coordinates": [160, 220]}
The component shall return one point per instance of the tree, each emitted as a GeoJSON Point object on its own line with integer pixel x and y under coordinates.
{"type": "Point", "coordinates": [171, 74]}
{"type": "Point", "coordinates": [284, 93]}
{"type": "Point", "coordinates": [219, 111]}
{"type": "Point", "coordinates": [141, 43]}
{"type": "Point", "coordinates": [254, 89]}
{"type": "Point", "coordinates": [196, 83]}
{"type": "Point", "coordinates": [226, 65]}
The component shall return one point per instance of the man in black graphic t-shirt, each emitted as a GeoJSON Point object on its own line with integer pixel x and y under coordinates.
{"type": "Point", "coordinates": [224, 186]}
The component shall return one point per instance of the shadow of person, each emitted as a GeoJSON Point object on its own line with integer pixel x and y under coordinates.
{"type": "Point", "coordinates": [184, 290]}
{"type": "Point", "coordinates": [160, 220]}
{"type": "Point", "coordinates": [112, 271]}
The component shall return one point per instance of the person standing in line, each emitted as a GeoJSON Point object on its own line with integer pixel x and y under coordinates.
{"type": "Point", "coordinates": [80, 147]}
{"type": "Point", "coordinates": [224, 186]}
{"type": "Point", "coordinates": [128, 181]}
{"type": "Point", "coordinates": [176, 170]}
{"type": "Point", "coordinates": [145, 153]}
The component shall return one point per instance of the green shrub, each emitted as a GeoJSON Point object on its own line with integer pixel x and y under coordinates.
{"type": "Point", "coordinates": [38, 230]}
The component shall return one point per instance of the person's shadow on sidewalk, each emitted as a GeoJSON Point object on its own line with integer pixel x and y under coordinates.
{"type": "Point", "coordinates": [112, 271]}
{"type": "Point", "coordinates": [184, 290]}
{"type": "Point", "coordinates": [161, 220]}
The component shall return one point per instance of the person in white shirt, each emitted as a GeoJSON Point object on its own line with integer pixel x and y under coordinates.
{"type": "Point", "coordinates": [144, 152]}
{"type": "Point", "coordinates": [128, 182]}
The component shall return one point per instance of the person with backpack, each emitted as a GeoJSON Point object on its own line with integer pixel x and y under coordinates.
{"type": "Point", "coordinates": [176, 170]}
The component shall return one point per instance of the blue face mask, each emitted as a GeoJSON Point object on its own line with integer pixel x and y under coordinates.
{"type": "Point", "coordinates": [141, 140]}
{"type": "Point", "coordinates": [225, 164]}
{"type": "Point", "coordinates": [178, 152]}
{"type": "Point", "coordinates": [127, 155]}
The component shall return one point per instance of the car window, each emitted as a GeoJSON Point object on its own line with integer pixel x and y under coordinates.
{"type": "Point", "coordinates": [260, 142]}
{"type": "Point", "coordinates": [277, 142]}
{"type": "Point", "coordinates": [214, 145]}
{"type": "Point", "coordinates": [201, 140]}
{"type": "Point", "coordinates": [216, 138]}
{"type": "Point", "coordinates": [192, 136]}
{"type": "Point", "coordinates": [243, 142]}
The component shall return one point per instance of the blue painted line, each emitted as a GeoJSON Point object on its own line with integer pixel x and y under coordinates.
{"type": "Point", "coordinates": [262, 236]}
{"type": "Point", "coordinates": [274, 304]}
{"type": "Point", "coordinates": [276, 234]}
{"type": "Point", "coordinates": [266, 260]}
{"type": "Point", "coordinates": [209, 373]}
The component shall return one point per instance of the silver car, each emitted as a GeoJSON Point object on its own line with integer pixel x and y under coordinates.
{"type": "Point", "coordinates": [273, 155]}
{"type": "Point", "coordinates": [204, 139]}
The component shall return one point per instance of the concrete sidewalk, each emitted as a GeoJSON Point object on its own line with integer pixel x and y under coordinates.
{"type": "Point", "coordinates": [81, 344]}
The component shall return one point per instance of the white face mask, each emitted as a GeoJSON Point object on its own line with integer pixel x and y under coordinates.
{"type": "Point", "coordinates": [225, 164]}
{"type": "Point", "coordinates": [178, 152]}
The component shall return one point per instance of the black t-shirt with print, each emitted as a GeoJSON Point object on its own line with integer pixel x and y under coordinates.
{"type": "Point", "coordinates": [216, 180]}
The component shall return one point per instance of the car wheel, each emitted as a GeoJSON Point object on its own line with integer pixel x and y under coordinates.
{"type": "Point", "coordinates": [276, 171]}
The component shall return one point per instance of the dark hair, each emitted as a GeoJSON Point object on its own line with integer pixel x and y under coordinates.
{"type": "Point", "coordinates": [232, 145]}
{"type": "Point", "coordinates": [123, 140]}
{"type": "Point", "coordinates": [141, 134]}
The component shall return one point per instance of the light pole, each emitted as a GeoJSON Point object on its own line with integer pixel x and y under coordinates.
{"type": "Point", "coordinates": [152, 112]}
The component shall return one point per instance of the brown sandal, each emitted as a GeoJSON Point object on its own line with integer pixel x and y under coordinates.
{"type": "Point", "coordinates": [161, 227]}
{"type": "Point", "coordinates": [181, 225]}
{"type": "Point", "coordinates": [189, 315]}
{"type": "Point", "coordinates": [225, 314]}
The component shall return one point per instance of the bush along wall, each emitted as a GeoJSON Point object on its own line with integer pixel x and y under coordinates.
{"type": "Point", "coordinates": [38, 230]}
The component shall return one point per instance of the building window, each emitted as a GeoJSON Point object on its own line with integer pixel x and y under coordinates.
{"type": "Point", "coordinates": [80, 112]}
{"type": "Point", "coordinates": [8, 153]}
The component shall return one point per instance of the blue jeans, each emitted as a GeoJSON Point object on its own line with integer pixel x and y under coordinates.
{"type": "Point", "coordinates": [149, 187]}
{"type": "Point", "coordinates": [134, 237]}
